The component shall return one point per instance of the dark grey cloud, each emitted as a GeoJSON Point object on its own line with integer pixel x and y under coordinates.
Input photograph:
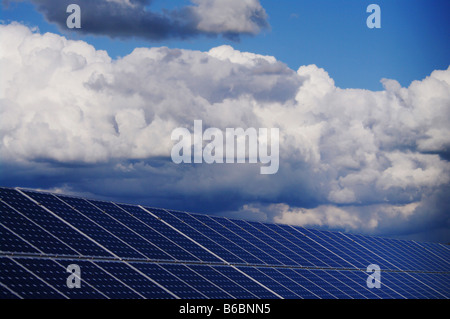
{"type": "Point", "coordinates": [135, 18]}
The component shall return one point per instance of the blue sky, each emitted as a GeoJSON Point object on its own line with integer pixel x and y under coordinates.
{"type": "Point", "coordinates": [331, 34]}
{"type": "Point", "coordinates": [363, 114]}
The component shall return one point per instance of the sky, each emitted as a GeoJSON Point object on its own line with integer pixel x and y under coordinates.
{"type": "Point", "coordinates": [363, 113]}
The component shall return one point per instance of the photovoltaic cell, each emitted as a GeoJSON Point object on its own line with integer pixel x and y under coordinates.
{"type": "Point", "coordinates": [266, 280]}
{"type": "Point", "coordinates": [69, 240]}
{"type": "Point", "coordinates": [93, 224]}
{"type": "Point", "coordinates": [299, 245]}
{"type": "Point", "coordinates": [130, 251]}
{"type": "Point", "coordinates": [9, 242]}
{"type": "Point", "coordinates": [238, 244]}
{"type": "Point", "coordinates": [55, 273]}
{"type": "Point", "coordinates": [312, 246]}
{"type": "Point", "coordinates": [289, 248]}
{"type": "Point", "coordinates": [229, 285]}
{"type": "Point", "coordinates": [277, 250]}
{"type": "Point", "coordinates": [346, 248]}
{"type": "Point", "coordinates": [332, 278]}
{"type": "Point", "coordinates": [440, 251]}
{"type": "Point", "coordinates": [244, 256]}
{"type": "Point", "coordinates": [353, 279]}
{"type": "Point", "coordinates": [288, 282]}
{"type": "Point", "coordinates": [307, 283]}
{"type": "Point", "coordinates": [384, 293]}
{"type": "Point", "coordinates": [195, 280]}
{"type": "Point", "coordinates": [134, 279]}
{"type": "Point", "coordinates": [23, 282]}
{"type": "Point", "coordinates": [165, 238]}
{"type": "Point", "coordinates": [138, 229]}
{"type": "Point", "coordinates": [178, 220]}
{"type": "Point", "coordinates": [167, 279]}
{"type": "Point", "coordinates": [106, 283]}
{"type": "Point", "coordinates": [330, 248]}
{"type": "Point", "coordinates": [6, 293]}
{"type": "Point", "coordinates": [255, 288]}
{"type": "Point", "coordinates": [186, 243]}
{"type": "Point", "coordinates": [437, 282]}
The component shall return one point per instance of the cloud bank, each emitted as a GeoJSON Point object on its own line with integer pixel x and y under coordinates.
{"type": "Point", "coordinates": [72, 118]}
{"type": "Point", "coordinates": [135, 18]}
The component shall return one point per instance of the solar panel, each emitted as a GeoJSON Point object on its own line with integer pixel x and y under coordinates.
{"type": "Point", "coordinates": [232, 287]}
{"type": "Point", "coordinates": [24, 282]}
{"type": "Point", "coordinates": [63, 238]}
{"type": "Point", "coordinates": [58, 246]}
{"type": "Point", "coordinates": [54, 273]}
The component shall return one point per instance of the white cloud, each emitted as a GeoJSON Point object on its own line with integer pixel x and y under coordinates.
{"type": "Point", "coordinates": [232, 16]}
{"type": "Point", "coordinates": [331, 216]}
{"type": "Point", "coordinates": [342, 196]}
{"type": "Point", "coordinates": [368, 218]}
{"type": "Point", "coordinates": [372, 153]}
{"type": "Point", "coordinates": [227, 53]}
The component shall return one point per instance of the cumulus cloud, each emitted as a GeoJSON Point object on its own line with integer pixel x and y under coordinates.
{"type": "Point", "coordinates": [230, 16]}
{"type": "Point", "coordinates": [135, 18]}
{"type": "Point", "coordinates": [73, 118]}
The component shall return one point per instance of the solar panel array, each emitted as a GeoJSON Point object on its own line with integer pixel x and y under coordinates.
{"type": "Point", "coordinates": [131, 251]}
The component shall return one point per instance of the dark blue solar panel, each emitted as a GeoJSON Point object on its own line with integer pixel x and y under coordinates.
{"type": "Point", "coordinates": [398, 247]}
{"type": "Point", "coordinates": [437, 283]}
{"type": "Point", "coordinates": [135, 280]}
{"type": "Point", "coordinates": [25, 283]}
{"type": "Point", "coordinates": [232, 287]}
{"type": "Point", "coordinates": [195, 280]}
{"type": "Point", "coordinates": [346, 248]}
{"type": "Point", "coordinates": [218, 238]}
{"type": "Point", "coordinates": [293, 251]}
{"type": "Point", "coordinates": [334, 283]}
{"type": "Point", "coordinates": [168, 280]}
{"type": "Point", "coordinates": [314, 248]}
{"type": "Point", "coordinates": [12, 243]}
{"type": "Point", "coordinates": [395, 282]}
{"type": "Point", "coordinates": [299, 245]}
{"type": "Point", "coordinates": [104, 282]}
{"type": "Point", "coordinates": [277, 250]}
{"type": "Point", "coordinates": [360, 246]}
{"type": "Point", "coordinates": [333, 248]}
{"type": "Point", "coordinates": [267, 253]}
{"type": "Point", "coordinates": [32, 233]}
{"type": "Point", "coordinates": [91, 224]}
{"type": "Point", "coordinates": [422, 258]}
{"type": "Point", "coordinates": [439, 252]}
{"type": "Point", "coordinates": [330, 287]}
{"type": "Point", "coordinates": [275, 285]}
{"type": "Point", "coordinates": [180, 255]}
{"type": "Point", "coordinates": [73, 240]}
{"type": "Point", "coordinates": [288, 282]}
{"type": "Point", "coordinates": [55, 273]}
{"type": "Point", "coordinates": [398, 254]}
{"type": "Point", "coordinates": [416, 287]}
{"type": "Point", "coordinates": [357, 281]}
{"type": "Point", "coordinates": [233, 242]}
{"type": "Point", "coordinates": [306, 282]}
{"type": "Point", "coordinates": [141, 236]}
{"type": "Point", "coordinates": [192, 247]}
{"type": "Point", "coordinates": [165, 238]}
{"type": "Point", "coordinates": [391, 253]}
{"type": "Point", "coordinates": [6, 293]}
{"type": "Point", "coordinates": [121, 239]}
{"type": "Point", "coordinates": [178, 220]}
{"type": "Point", "coordinates": [257, 289]}
{"type": "Point", "coordinates": [385, 292]}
